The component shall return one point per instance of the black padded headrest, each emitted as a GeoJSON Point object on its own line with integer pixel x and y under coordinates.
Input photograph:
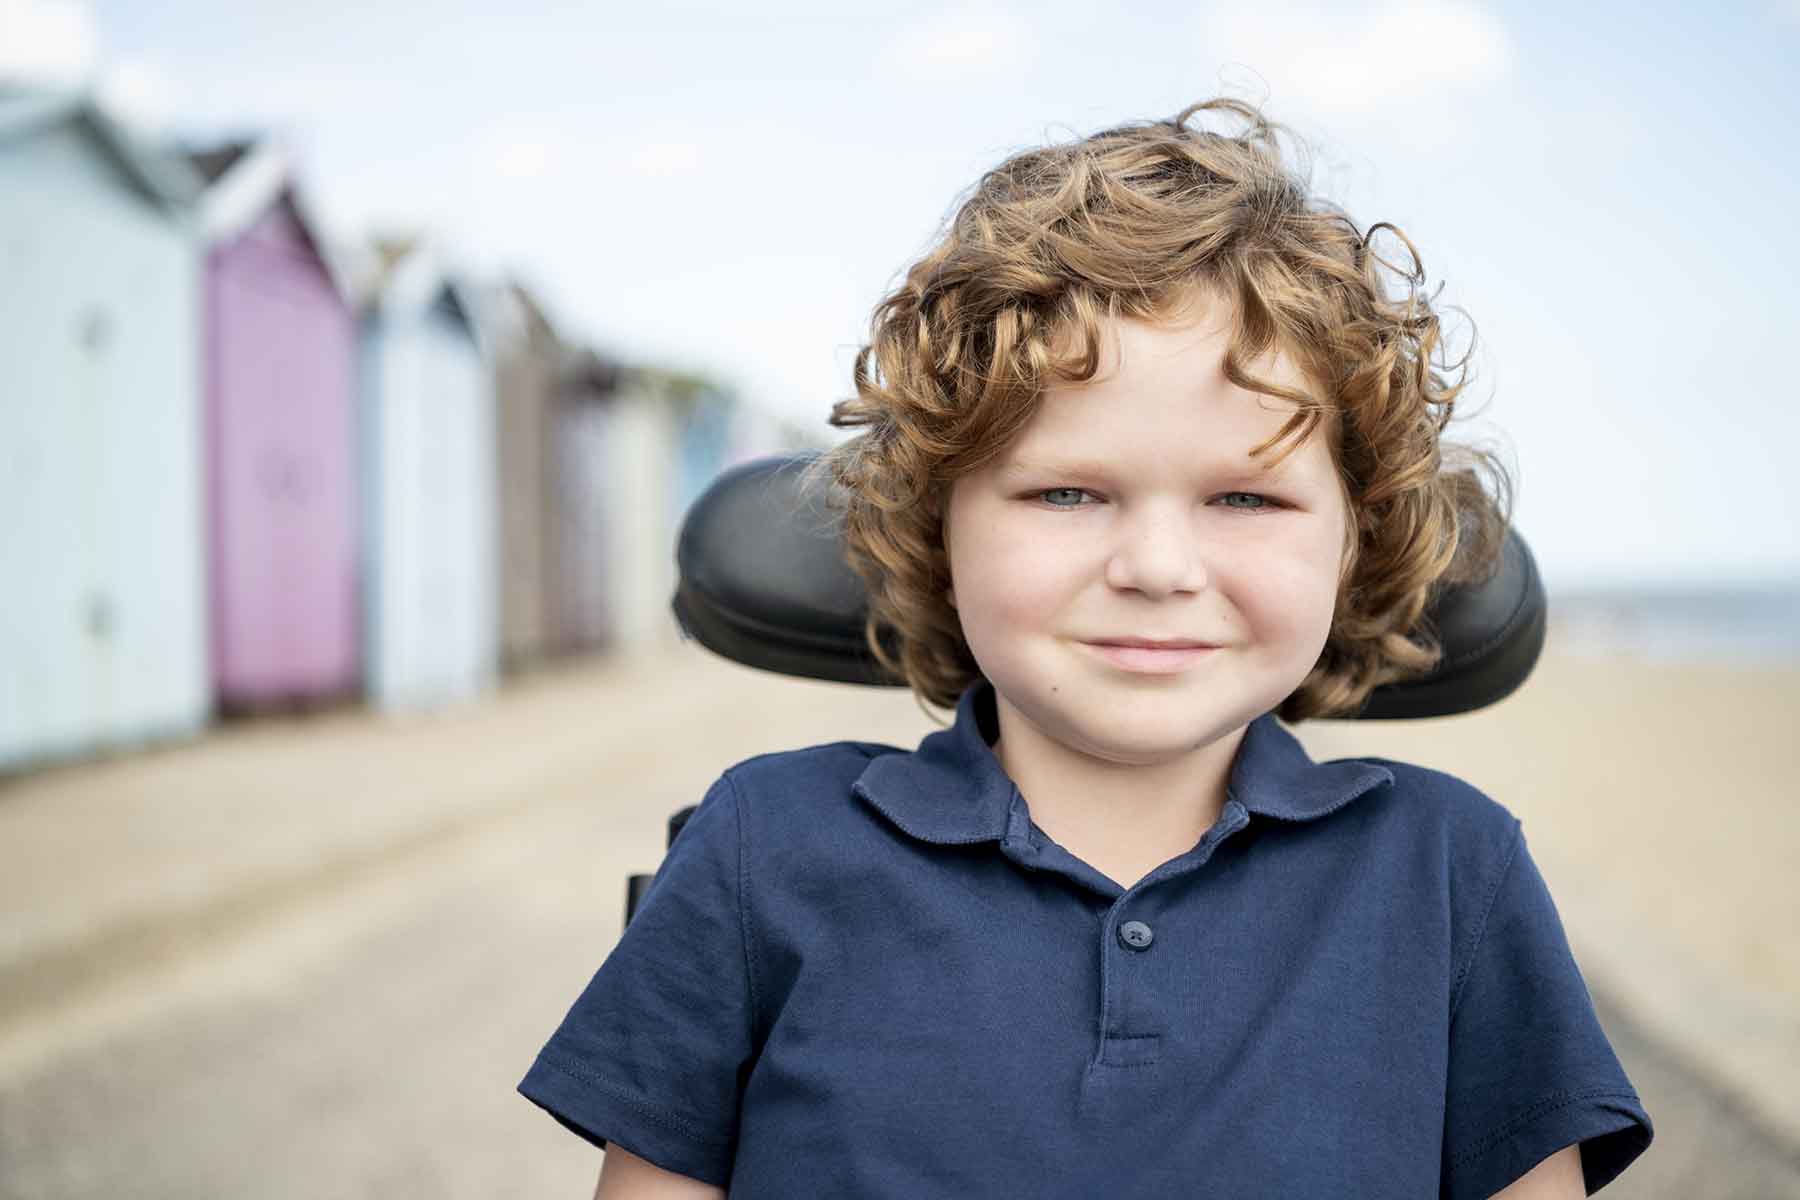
{"type": "Point", "coordinates": [762, 582]}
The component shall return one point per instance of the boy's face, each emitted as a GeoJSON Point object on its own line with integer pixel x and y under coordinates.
{"type": "Point", "coordinates": [1160, 526]}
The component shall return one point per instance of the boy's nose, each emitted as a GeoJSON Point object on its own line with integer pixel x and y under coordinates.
{"type": "Point", "coordinates": [1157, 553]}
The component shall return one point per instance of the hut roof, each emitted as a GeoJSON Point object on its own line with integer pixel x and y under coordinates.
{"type": "Point", "coordinates": [166, 179]}
{"type": "Point", "coordinates": [586, 375]}
{"type": "Point", "coordinates": [517, 319]}
{"type": "Point", "coordinates": [409, 274]}
{"type": "Point", "coordinates": [212, 164]}
{"type": "Point", "coordinates": [246, 178]}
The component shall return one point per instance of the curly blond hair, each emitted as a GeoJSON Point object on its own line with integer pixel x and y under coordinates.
{"type": "Point", "coordinates": [1126, 223]}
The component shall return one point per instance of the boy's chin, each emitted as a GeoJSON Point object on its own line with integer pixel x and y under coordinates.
{"type": "Point", "coordinates": [1154, 746]}
{"type": "Point", "coordinates": [1116, 733]}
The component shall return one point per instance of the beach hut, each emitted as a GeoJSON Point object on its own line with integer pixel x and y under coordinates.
{"type": "Point", "coordinates": [102, 616]}
{"type": "Point", "coordinates": [583, 564]}
{"type": "Point", "coordinates": [281, 503]}
{"type": "Point", "coordinates": [617, 462]}
{"type": "Point", "coordinates": [528, 358]}
{"type": "Point", "coordinates": [430, 592]}
{"type": "Point", "coordinates": [643, 437]}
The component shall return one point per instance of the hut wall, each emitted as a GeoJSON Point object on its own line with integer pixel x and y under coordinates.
{"type": "Point", "coordinates": [432, 602]}
{"type": "Point", "coordinates": [281, 481]}
{"type": "Point", "coordinates": [102, 619]}
{"type": "Point", "coordinates": [643, 462]}
{"type": "Point", "coordinates": [583, 568]}
{"type": "Point", "coordinates": [526, 385]}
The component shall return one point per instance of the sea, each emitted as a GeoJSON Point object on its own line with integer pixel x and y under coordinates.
{"type": "Point", "coordinates": [1748, 625]}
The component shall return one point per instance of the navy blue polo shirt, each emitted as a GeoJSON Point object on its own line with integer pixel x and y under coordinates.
{"type": "Point", "coordinates": [865, 972]}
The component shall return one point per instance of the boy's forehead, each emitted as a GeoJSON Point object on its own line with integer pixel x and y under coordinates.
{"type": "Point", "coordinates": [1199, 322]}
{"type": "Point", "coordinates": [1024, 460]}
{"type": "Point", "coordinates": [1093, 449]}
{"type": "Point", "coordinates": [1076, 430]}
{"type": "Point", "coordinates": [1172, 390]}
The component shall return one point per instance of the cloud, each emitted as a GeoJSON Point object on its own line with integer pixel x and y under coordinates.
{"type": "Point", "coordinates": [524, 150]}
{"type": "Point", "coordinates": [1338, 60]}
{"type": "Point", "coordinates": [47, 42]}
{"type": "Point", "coordinates": [660, 158]}
{"type": "Point", "coordinates": [523, 159]}
{"type": "Point", "coordinates": [976, 41]}
{"type": "Point", "coordinates": [251, 94]}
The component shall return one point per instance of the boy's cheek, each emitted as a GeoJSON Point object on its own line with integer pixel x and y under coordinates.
{"type": "Point", "coordinates": [1013, 568]}
{"type": "Point", "coordinates": [1298, 589]}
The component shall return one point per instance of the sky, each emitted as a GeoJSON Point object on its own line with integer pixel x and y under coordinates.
{"type": "Point", "coordinates": [1606, 192]}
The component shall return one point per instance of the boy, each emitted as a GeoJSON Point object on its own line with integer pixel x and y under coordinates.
{"type": "Point", "coordinates": [1150, 458]}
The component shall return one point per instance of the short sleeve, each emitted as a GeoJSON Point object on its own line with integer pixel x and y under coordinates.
{"type": "Point", "coordinates": [655, 1051]}
{"type": "Point", "coordinates": [1530, 1069]}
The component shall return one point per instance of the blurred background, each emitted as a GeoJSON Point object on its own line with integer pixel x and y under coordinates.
{"type": "Point", "coordinates": [359, 368]}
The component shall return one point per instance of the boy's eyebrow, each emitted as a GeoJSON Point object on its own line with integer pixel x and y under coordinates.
{"type": "Point", "coordinates": [1054, 466]}
{"type": "Point", "coordinates": [1089, 467]}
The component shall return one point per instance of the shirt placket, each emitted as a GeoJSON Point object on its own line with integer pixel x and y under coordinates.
{"type": "Point", "coordinates": [1128, 934]}
{"type": "Point", "coordinates": [1130, 1033]}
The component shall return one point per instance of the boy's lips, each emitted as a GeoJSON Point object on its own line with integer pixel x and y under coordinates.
{"type": "Point", "coordinates": [1151, 658]}
{"type": "Point", "coordinates": [1153, 643]}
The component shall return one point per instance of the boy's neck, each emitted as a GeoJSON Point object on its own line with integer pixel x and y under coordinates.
{"type": "Point", "coordinates": [1124, 820]}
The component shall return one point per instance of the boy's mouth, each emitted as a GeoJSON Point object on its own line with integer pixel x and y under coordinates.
{"type": "Point", "coordinates": [1153, 643]}
{"type": "Point", "coordinates": [1149, 657]}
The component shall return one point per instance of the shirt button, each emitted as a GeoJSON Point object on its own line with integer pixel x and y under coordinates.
{"type": "Point", "coordinates": [1136, 935]}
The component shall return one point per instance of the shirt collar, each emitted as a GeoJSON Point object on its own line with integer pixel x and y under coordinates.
{"type": "Point", "coordinates": [953, 790]}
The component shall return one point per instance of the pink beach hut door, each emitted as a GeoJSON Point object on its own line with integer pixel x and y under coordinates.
{"type": "Point", "coordinates": [284, 610]}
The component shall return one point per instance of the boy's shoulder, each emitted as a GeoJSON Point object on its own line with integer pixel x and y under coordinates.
{"type": "Point", "coordinates": [1464, 811]}
{"type": "Point", "coordinates": [825, 769]}
{"type": "Point", "coordinates": [1439, 823]}
{"type": "Point", "coordinates": [800, 806]}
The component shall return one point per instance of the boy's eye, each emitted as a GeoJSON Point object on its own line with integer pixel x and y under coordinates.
{"type": "Point", "coordinates": [1072, 494]}
{"type": "Point", "coordinates": [1246, 500]}
{"type": "Point", "coordinates": [1070, 497]}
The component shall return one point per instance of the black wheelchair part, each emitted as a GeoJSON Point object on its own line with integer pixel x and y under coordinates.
{"type": "Point", "coordinates": [762, 581]}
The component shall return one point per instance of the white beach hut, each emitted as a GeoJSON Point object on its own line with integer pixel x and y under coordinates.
{"type": "Point", "coordinates": [102, 612]}
{"type": "Point", "coordinates": [643, 485]}
{"type": "Point", "coordinates": [430, 594]}
{"type": "Point", "coordinates": [617, 469]}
